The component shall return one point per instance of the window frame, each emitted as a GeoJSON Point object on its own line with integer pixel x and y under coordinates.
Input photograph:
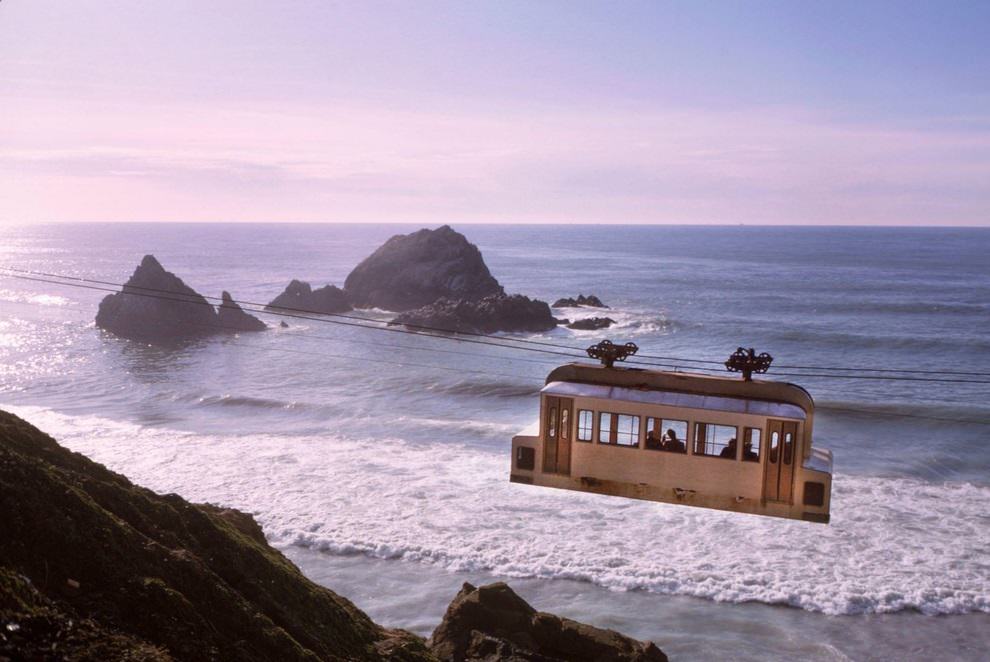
{"type": "Point", "coordinates": [614, 429]}
{"type": "Point", "coordinates": [717, 456]}
{"type": "Point", "coordinates": [591, 428]}
{"type": "Point", "coordinates": [747, 429]}
{"type": "Point", "coordinates": [685, 440]}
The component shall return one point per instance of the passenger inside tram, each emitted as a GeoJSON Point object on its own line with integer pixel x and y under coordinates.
{"type": "Point", "coordinates": [653, 440]}
{"type": "Point", "coordinates": [730, 450]}
{"type": "Point", "coordinates": [672, 444]}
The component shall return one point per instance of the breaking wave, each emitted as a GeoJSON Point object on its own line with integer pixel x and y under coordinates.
{"type": "Point", "coordinates": [894, 544]}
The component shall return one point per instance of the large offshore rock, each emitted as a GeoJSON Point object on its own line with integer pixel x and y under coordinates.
{"type": "Point", "coordinates": [412, 270]}
{"type": "Point", "coordinates": [232, 318]}
{"type": "Point", "coordinates": [299, 297]}
{"type": "Point", "coordinates": [492, 313]}
{"type": "Point", "coordinates": [493, 623]}
{"type": "Point", "coordinates": [155, 305]}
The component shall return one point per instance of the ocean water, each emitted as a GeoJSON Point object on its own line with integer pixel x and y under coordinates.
{"type": "Point", "coordinates": [379, 461]}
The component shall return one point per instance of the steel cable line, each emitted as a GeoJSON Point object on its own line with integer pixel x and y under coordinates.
{"type": "Point", "coordinates": [349, 341]}
{"type": "Point", "coordinates": [296, 316]}
{"type": "Point", "coordinates": [293, 310]}
{"type": "Point", "coordinates": [638, 360]}
{"type": "Point", "coordinates": [961, 421]}
{"type": "Point", "coordinates": [323, 319]}
{"type": "Point", "coordinates": [187, 298]}
{"type": "Point", "coordinates": [255, 346]}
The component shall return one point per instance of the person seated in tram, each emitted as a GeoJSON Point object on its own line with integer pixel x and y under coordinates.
{"type": "Point", "coordinates": [672, 444]}
{"type": "Point", "coordinates": [730, 450]}
{"type": "Point", "coordinates": [653, 440]}
{"type": "Point", "coordinates": [749, 454]}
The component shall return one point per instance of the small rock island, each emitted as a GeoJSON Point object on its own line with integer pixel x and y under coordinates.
{"type": "Point", "coordinates": [154, 305]}
{"type": "Point", "coordinates": [413, 270]}
{"type": "Point", "coordinates": [590, 301]}
{"type": "Point", "coordinates": [438, 280]}
{"type": "Point", "coordinates": [591, 323]}
{"type": "Point", "coordinates": [300, 297]}
{"type": "Point", "coordinates": [514, 312]}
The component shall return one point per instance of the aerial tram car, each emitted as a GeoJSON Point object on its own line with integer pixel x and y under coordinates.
{"type": "Point", "coordinates": [742, 445]}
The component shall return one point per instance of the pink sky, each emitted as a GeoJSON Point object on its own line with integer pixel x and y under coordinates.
{"type": "Point", "coordinates": [113, 125]}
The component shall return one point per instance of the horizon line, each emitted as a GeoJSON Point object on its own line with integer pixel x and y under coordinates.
{"type": "Point", "coordinates": [536, 223]}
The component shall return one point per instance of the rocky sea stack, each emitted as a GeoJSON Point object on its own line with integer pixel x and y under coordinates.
{"type": "Point", "coordinates": [493, 623]}
{"type": "Point", "coordinates": [300, 297]}
{"type": "Point", "coordinates": [156, 306]}
{"type": "Point", "coordinates": [413, 270]}
{"type": "Point", "coordinates": [93, 567]}
{"type": "Point", "coordinates": [591, 323]}
{"type": "Point", "coordinates": [488, 315]}
{"type": "Point", "coordinates": [232, 317]}
{"type": "Point", "coordinates": [590, 301]}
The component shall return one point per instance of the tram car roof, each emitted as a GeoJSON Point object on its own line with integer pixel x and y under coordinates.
{"type": "Point", "coordinates": [682, 389]}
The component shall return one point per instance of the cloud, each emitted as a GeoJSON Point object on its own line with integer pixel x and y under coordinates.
{"type": "Point", "coordinates": [773, 165]}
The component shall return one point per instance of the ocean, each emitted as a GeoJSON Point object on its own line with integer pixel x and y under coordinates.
{"type": "Point", "coordinates": [379, 461]}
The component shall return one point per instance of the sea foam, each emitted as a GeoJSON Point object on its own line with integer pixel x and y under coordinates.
{"type": "Point", "coordinates": [894, 543]}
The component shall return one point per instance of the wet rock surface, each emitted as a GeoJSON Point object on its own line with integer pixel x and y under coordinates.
{"type": "Point", "coordinates": [232, 318]}
{"type": "Point", "coordinates": [591, 323]}
{"type": "Point", "coordinates": [488, 315]}
{"type": "Point", "coordinates": [155, 305]}
{"type": "Point", "coordinates": [493, 623]}
{"type": "Point", "coordinates": [300, 297]}
{"type": "Point", "coordinates": [590, 301]}
{"type": "Point", "coordinates": [413, 270]}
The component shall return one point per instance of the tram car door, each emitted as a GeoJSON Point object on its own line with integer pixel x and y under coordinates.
{"type": "Point", "coordinates": [780, 460]}
{"type": "Point", "coordinates": [557, 447]}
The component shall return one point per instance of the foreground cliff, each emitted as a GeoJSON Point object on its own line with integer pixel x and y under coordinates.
{"type": "Point", "coordinates": [93, 567]}
{"type": "Point", "coordinates": [196, 582]}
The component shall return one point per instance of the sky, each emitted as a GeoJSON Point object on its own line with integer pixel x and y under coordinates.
{"type": "Point", "coordinates": [851, 113]}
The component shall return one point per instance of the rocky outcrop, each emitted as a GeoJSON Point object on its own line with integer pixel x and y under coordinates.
{"type": "Point", "coordinates": [590, 301]}
{"type": "Point", "coordinates": [414, 270]}
{"type": "Point", "coordinates": [232, 318]}
{"type": "Point", "coordinates": [591, 323]}
{"type": "Point", "coordinates": [155, 305]}
{"type": "Point", "coordinates": [299, 297]}
{"type": "Point", "coordinates": [488, 315]}
{"type": "Point", "coordinates": [192, 582]}
{"type": "Point", "coordinates": [494, 623]}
